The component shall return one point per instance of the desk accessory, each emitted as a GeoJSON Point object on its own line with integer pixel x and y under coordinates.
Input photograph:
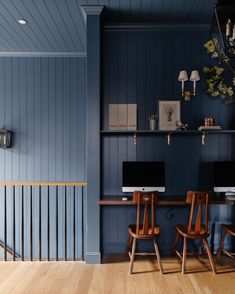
{"type": "Point", "coordinates": [209, 121]}
{"type": "Point", "coordinates": [153, 122]}
{"type": "Point", "coordinates": [181, 126]}
{"type": "Point", "coordinates": [169, 114]}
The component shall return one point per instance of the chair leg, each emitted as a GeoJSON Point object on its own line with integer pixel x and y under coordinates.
{"type": "Point", "coordinates": [210, 256]}
{"type": "Point", "coordinates": [158, 255]}
{"type": "Point", "coordinates": [132, 256]}
{"type": "Point", "coordinates": [176, 241]}
{"type": "Point", "coordinates": [184, 256]}
{"type": "Point", "coordinates": [129, 243]}
{"type": "Point", "coordinates": [221, 245]}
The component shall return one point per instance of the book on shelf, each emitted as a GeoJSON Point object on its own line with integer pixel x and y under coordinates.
{"type": "Point", "coordinates": [123, 117]}
{"type": "Point", "coordinates": [132, 117]}
{"type": "Point", "coordinates": [209, 128]}
{"type": "Point", "coordinates": [113, 117]}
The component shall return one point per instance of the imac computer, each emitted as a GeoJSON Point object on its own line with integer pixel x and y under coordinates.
{"type": "Point", "coordinates": [224, 177]}
{"type": "Point", "coordinates": [143, 176]}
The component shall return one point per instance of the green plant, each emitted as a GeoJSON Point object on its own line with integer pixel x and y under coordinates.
{"type": "Point", "coordinates": [220, 77]}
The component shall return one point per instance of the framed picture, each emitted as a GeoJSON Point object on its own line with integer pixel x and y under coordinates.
{"type": "Point", "coordinates": [169, 114]}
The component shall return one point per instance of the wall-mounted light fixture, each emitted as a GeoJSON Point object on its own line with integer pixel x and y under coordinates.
{"type": "Point", "coordinates": [183, 77]}
{"type": "Point", "coordinates": [5, 138]}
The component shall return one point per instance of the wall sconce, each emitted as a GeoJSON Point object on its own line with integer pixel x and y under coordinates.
{"type": "Point", "coordinates": [183, 77]}
{"type": "Point", "coordinates": [5, 138]}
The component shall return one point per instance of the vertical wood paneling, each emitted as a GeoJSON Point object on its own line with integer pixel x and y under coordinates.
{"type": "Point", "coordinates": [142, 67]}
{"type": "Point", "coordinates": [43, 101]}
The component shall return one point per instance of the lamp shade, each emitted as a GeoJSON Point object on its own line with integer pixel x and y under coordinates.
{"type": "Point", "coordinates": [194, 76]}
{"type": "Point", "coordinates": [183, 76]}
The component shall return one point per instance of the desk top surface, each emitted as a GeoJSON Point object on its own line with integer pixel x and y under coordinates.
{"type": "Point", "coordinates": [163, 200]}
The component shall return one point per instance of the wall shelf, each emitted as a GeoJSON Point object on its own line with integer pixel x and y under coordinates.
{"type": "Point", "coordinates": [148, 132]}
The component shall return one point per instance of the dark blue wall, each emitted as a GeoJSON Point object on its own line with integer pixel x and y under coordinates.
{"type": "Point", "coordinates": [43, 101]}
{"type": "Point", "coordinates": [142, 67]}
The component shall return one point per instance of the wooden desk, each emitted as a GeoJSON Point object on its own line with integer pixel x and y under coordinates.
{"type": "Point", "coordinates": [163, 200]}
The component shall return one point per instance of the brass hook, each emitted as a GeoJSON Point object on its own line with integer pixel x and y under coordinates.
{"type": "Point", "coordinates": [135, 139]}
{"type": "Point", "coordinates": [169, 139]}
{"type": "Point", "coordinates": [203, 138]}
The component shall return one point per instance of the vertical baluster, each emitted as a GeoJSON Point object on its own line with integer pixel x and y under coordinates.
{"type": "Point", "coordinates": [31, 223]}
{"type": "Point", "coordinates": [65, 223]}
{"type": "Point", "coordinates": [82, 227]}
{"type": "Point", "coordinates": [74, 225]}
{"type": "Point", "coordinates": [56, 248]}
{"type": "Point", "coordinates": [5, 223]}
{"type": "Point", "coordinates": [13, 224]}
{"type": "Point", "coordinates": [22, 223]}
{"type": "Point", "coordinates": [40, 224]}
{"type": "Point", "coordinates": [48, 223]}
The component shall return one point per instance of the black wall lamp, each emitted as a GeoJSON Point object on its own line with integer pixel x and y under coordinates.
{"type": "Point", "coordinates": [5, 138]}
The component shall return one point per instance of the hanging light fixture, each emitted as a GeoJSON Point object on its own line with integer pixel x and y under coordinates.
{"type": "Point", "coordinates": [222, 29]}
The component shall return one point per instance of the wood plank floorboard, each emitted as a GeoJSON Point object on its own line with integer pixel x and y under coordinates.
{"type": "Point", "coordinates": [112, 276]}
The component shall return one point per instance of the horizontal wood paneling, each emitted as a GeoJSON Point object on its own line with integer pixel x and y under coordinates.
{"type": "Point", "coordinates": [142, 67]}
{"type": "Point", "coordinates": [43, 102]}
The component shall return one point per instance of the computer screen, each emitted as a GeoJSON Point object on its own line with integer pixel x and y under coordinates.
{"type": "Point", "coordinates": [224, 176]}
{"type": "Point", "coordinates": [143, 175]}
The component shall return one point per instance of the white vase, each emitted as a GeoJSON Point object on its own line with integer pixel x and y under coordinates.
{"type": "Point", "coordinates": [152, 124]}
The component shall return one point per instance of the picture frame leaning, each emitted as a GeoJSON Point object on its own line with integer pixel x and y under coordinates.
{"type": "Point", "coordinates": [169, 114]}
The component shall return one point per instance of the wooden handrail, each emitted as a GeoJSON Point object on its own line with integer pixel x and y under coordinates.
{"type": "Point", "coordinates": [81, 184]}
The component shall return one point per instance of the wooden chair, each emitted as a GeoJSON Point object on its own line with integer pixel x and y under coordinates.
{"type": "Point", "coordinates": [199, 230]}
{"type": "Point", "coordinates": [144, 231]}
{"type": "Point", "coordinates": [227, 229]}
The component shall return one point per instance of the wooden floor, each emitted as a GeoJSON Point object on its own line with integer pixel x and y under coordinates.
{"type": "Point", "coordinates": [112, 277]}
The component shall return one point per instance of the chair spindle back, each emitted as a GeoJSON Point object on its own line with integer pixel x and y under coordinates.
{"type": "Point", "coordinates": [197, 201]}
{"type": "Point", "coordinates": [148, 200]}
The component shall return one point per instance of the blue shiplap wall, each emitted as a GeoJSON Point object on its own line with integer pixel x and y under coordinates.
{"type": "Point", "coordinates": [142, 67]}
{"type": "Point", "coordinates": [43, 101]}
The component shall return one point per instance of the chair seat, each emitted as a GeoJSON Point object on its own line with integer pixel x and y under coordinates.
{"type": "Point", "coordinates": [230, 229]}
{"type": "Point", "coordinates": [183, 230]}
{"type": "Point", "coordinates": [141, 235]}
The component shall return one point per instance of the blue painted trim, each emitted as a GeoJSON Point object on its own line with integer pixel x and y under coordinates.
{"type": "Point", "coordinates": [155, 27]}
{"type": "Point", "coordinates": [93, 257]}
{"type": "Point", "coordinates": [91, 10]}
{"type": "Point", "coordinates": [92, 210]}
